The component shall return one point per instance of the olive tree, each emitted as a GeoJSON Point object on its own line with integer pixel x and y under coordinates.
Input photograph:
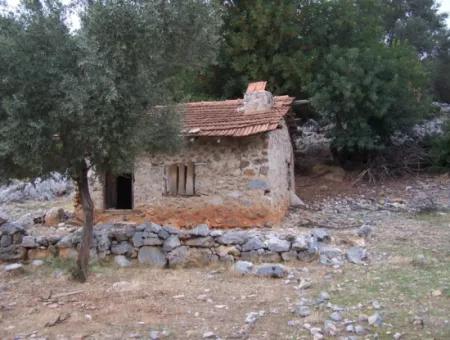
{"type": "Point", "coordinates": [74, 102]}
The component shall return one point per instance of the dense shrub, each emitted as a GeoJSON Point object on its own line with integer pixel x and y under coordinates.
{"type": "Point", "coordinates": [369, 93]}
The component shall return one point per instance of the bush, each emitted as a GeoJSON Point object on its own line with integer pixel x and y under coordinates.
{"type": "Point", "coordinates": [440, 150]}
{"type": "Point", "coordinates": [369, 93]}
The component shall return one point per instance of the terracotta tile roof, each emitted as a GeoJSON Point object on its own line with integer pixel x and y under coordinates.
{"type": "Point", "coordinates": [227, 118]}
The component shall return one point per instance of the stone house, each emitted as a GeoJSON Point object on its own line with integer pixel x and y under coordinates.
{"type": "Point", "coordinates": [235, 169]}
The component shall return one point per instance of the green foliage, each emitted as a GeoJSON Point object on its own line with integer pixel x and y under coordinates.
{"type": "Point", "coordinates": [440, 149]}
{"type": "Point", "coordinates": [67, 98]}
{"type": "Point", "coordinates": [369, 93]}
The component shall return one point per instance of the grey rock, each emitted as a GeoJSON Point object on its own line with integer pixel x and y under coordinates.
{"type": "Point", "coordinates": [302, 311]}
{"type": "Point", "coordinates": [146, 238]}
{"type": "Point", "coordinates": [209, 335]}
{"type": "Point", "coordinates": [164, 234]}
{"type": "Point", "coordinates": [204, 242]}
{"type": "Point", "coordinates": [152, 227]}
{"type": "Point", "coordinates": [171, 243]}
{"type": "Point", "coordinates": [42, 241]}
{"type": "Point", "coordinates": [138, 239]}
{"type": "Point", "coordinates": [178, 256]}
{"type": "Point", "coordinates": [253, 243]}
{"type": "Point", "coordinates": [216, 233]}
{"type": "Point", "coordinates": [330, 255]}
{"type": "Point", "coordinates": [26, 220]}
{"type": "Point", "coordinates": [375, 319]}
{"type": "Point", "coordinates": [102, 240]}
{"type": "Point", "coordinates": [200, 230]}
{"type": "Point", "coordinates": [252, 317]}
{"type": "Point", "coordinates": [271, 270]}
{"type": "Point", "coordinates": [300, 243]}
{"type": "Point", "coordinates": [120, 231]}
{"type": "Point", "coordinates": [336, 316]}
{"type": "Point", "coordinates": [329, 328]}
{"type": "Point", "coordinates": [29, 242]}
{"type": "Point", "coordinates": [171, 230]}
{"type": "Point", "coordinates": [321, 235]}
{"type": "Point", "coordinates": [11, 228]}
{"type": "Point", "coordinates": [364, 231]}
{"type": "Point", "coordinates": [152, 256]}
{"type": "Point", "coordinates": [323, 297]}
{"type": "Point", "coordinates": [14, 252]}
{"type": "Point", "coordinates": [357, 255]}
{"type": "Point", "coordinates": [122, 261]}
{"type": "Point", "coordinates": [14, 268]}
{"type": "Point", "coordinates": [69, 240]}
{"type": "Point", "coordinates": [122, 248]}
{"type": "Point", "coordinates": [233, 237]}
{"type": "Point", "coordinates": [243, 267]}
{"type": "Point", "coordinates": [278, 245]}
{"type": "Point", "coordinates": [37, 263]}
{"type": "Point", "coordinates": [5, 241]}
{"type": "Point", "coordinates": [258, 184]}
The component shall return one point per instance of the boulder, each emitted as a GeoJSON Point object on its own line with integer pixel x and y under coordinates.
{"type": "Point", "coordinates": [233, 237]}
{"type": "Point", "coordinates": [321, 235]}
{"type": "Point", "coordinates": [152, 227]}
{"type": "Point", "coordinates": [152, 256]}
{"type": "Point", "coordinates": [120, 231]}
{"type": "Point", "coordinates": [278, 245]}
{"type": "Point", "coordinates": [302, 311]}
{"type": "Point", "coordinates": [171, 243]}
{"type": "Point", "coordinates": [243, 267]}
{"type": "Point", "coordinates": [271, 270]}
{"type": "Point", "coordinates": [356, 255]}
{"type": "Point", "coordinates": [171, 230]}
{"type": "Point", "coordinates": [253, 243]}
{"type": "Point", "coordinates": [203, 242]}
{"type": "Point", "coordinates": [11, 228]}
{"type": "Point", "coordinates": [300, 243]}
{"type": "Point", "coordinates": [29, 242]}
{"type": "Point", "coordinates": [200, 230]}
{"type": "Point", "coordinates": [122, 248]}
{"type": "Point", "coordinates": [12, 253]}
{"type": "Point", "coordinates": [5, 241]}
{"type": "Point", "coordinates": [14, 268]}
{"type": "Point", "coordinates": [178, 257]}
{"type": "Point", "coordinates": [146, 238]}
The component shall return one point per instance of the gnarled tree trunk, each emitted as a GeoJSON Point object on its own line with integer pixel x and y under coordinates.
{"type": "Point", "coordinates": [80, 272]}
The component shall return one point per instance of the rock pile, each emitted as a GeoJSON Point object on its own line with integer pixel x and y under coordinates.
{"type": "Point", "coordinates": [165, 246]}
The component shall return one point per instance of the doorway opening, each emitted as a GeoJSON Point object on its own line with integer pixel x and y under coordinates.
{"type": "Point", "coordinates": [119, 191]}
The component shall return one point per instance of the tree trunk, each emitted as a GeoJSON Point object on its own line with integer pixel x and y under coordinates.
{"type": "Point", "coordinates": [80, 272]}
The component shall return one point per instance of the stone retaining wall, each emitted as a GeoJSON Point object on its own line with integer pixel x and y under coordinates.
{"type": "Point", "coordinates": [166, 246]}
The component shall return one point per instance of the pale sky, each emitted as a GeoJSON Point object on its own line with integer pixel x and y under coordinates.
{"type": "Point", "coordinates": [445, 7]}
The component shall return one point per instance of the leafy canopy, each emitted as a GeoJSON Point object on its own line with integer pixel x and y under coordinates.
{"type": "Point", "coordinates": [70, 97]}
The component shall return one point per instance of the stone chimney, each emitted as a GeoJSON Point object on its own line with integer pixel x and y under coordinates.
{"type": "Point", "coordinates": [257, 99]}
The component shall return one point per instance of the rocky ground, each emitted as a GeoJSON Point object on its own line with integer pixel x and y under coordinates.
{"type": "Point", "coordinates": [401, 290]}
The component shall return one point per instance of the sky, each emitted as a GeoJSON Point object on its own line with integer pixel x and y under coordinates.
{"type": "Point", "coordinates": [445, 7]}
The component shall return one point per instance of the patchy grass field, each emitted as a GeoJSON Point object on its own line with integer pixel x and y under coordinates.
{"type": "Point", "coordinates": [408, 275]}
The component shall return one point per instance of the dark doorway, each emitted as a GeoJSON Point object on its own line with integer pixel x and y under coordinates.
{"type": "Point", "coordinates": [119, 191]}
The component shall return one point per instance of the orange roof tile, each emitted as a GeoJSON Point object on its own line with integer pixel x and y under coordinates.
{"type": "Point", "coordinates": [227, 118]}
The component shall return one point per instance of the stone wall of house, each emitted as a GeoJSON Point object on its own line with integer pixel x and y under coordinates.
{"type": "Point", "coordinates": [232, 185]}
{"type": "Point", "coordinates": [281, 167]}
